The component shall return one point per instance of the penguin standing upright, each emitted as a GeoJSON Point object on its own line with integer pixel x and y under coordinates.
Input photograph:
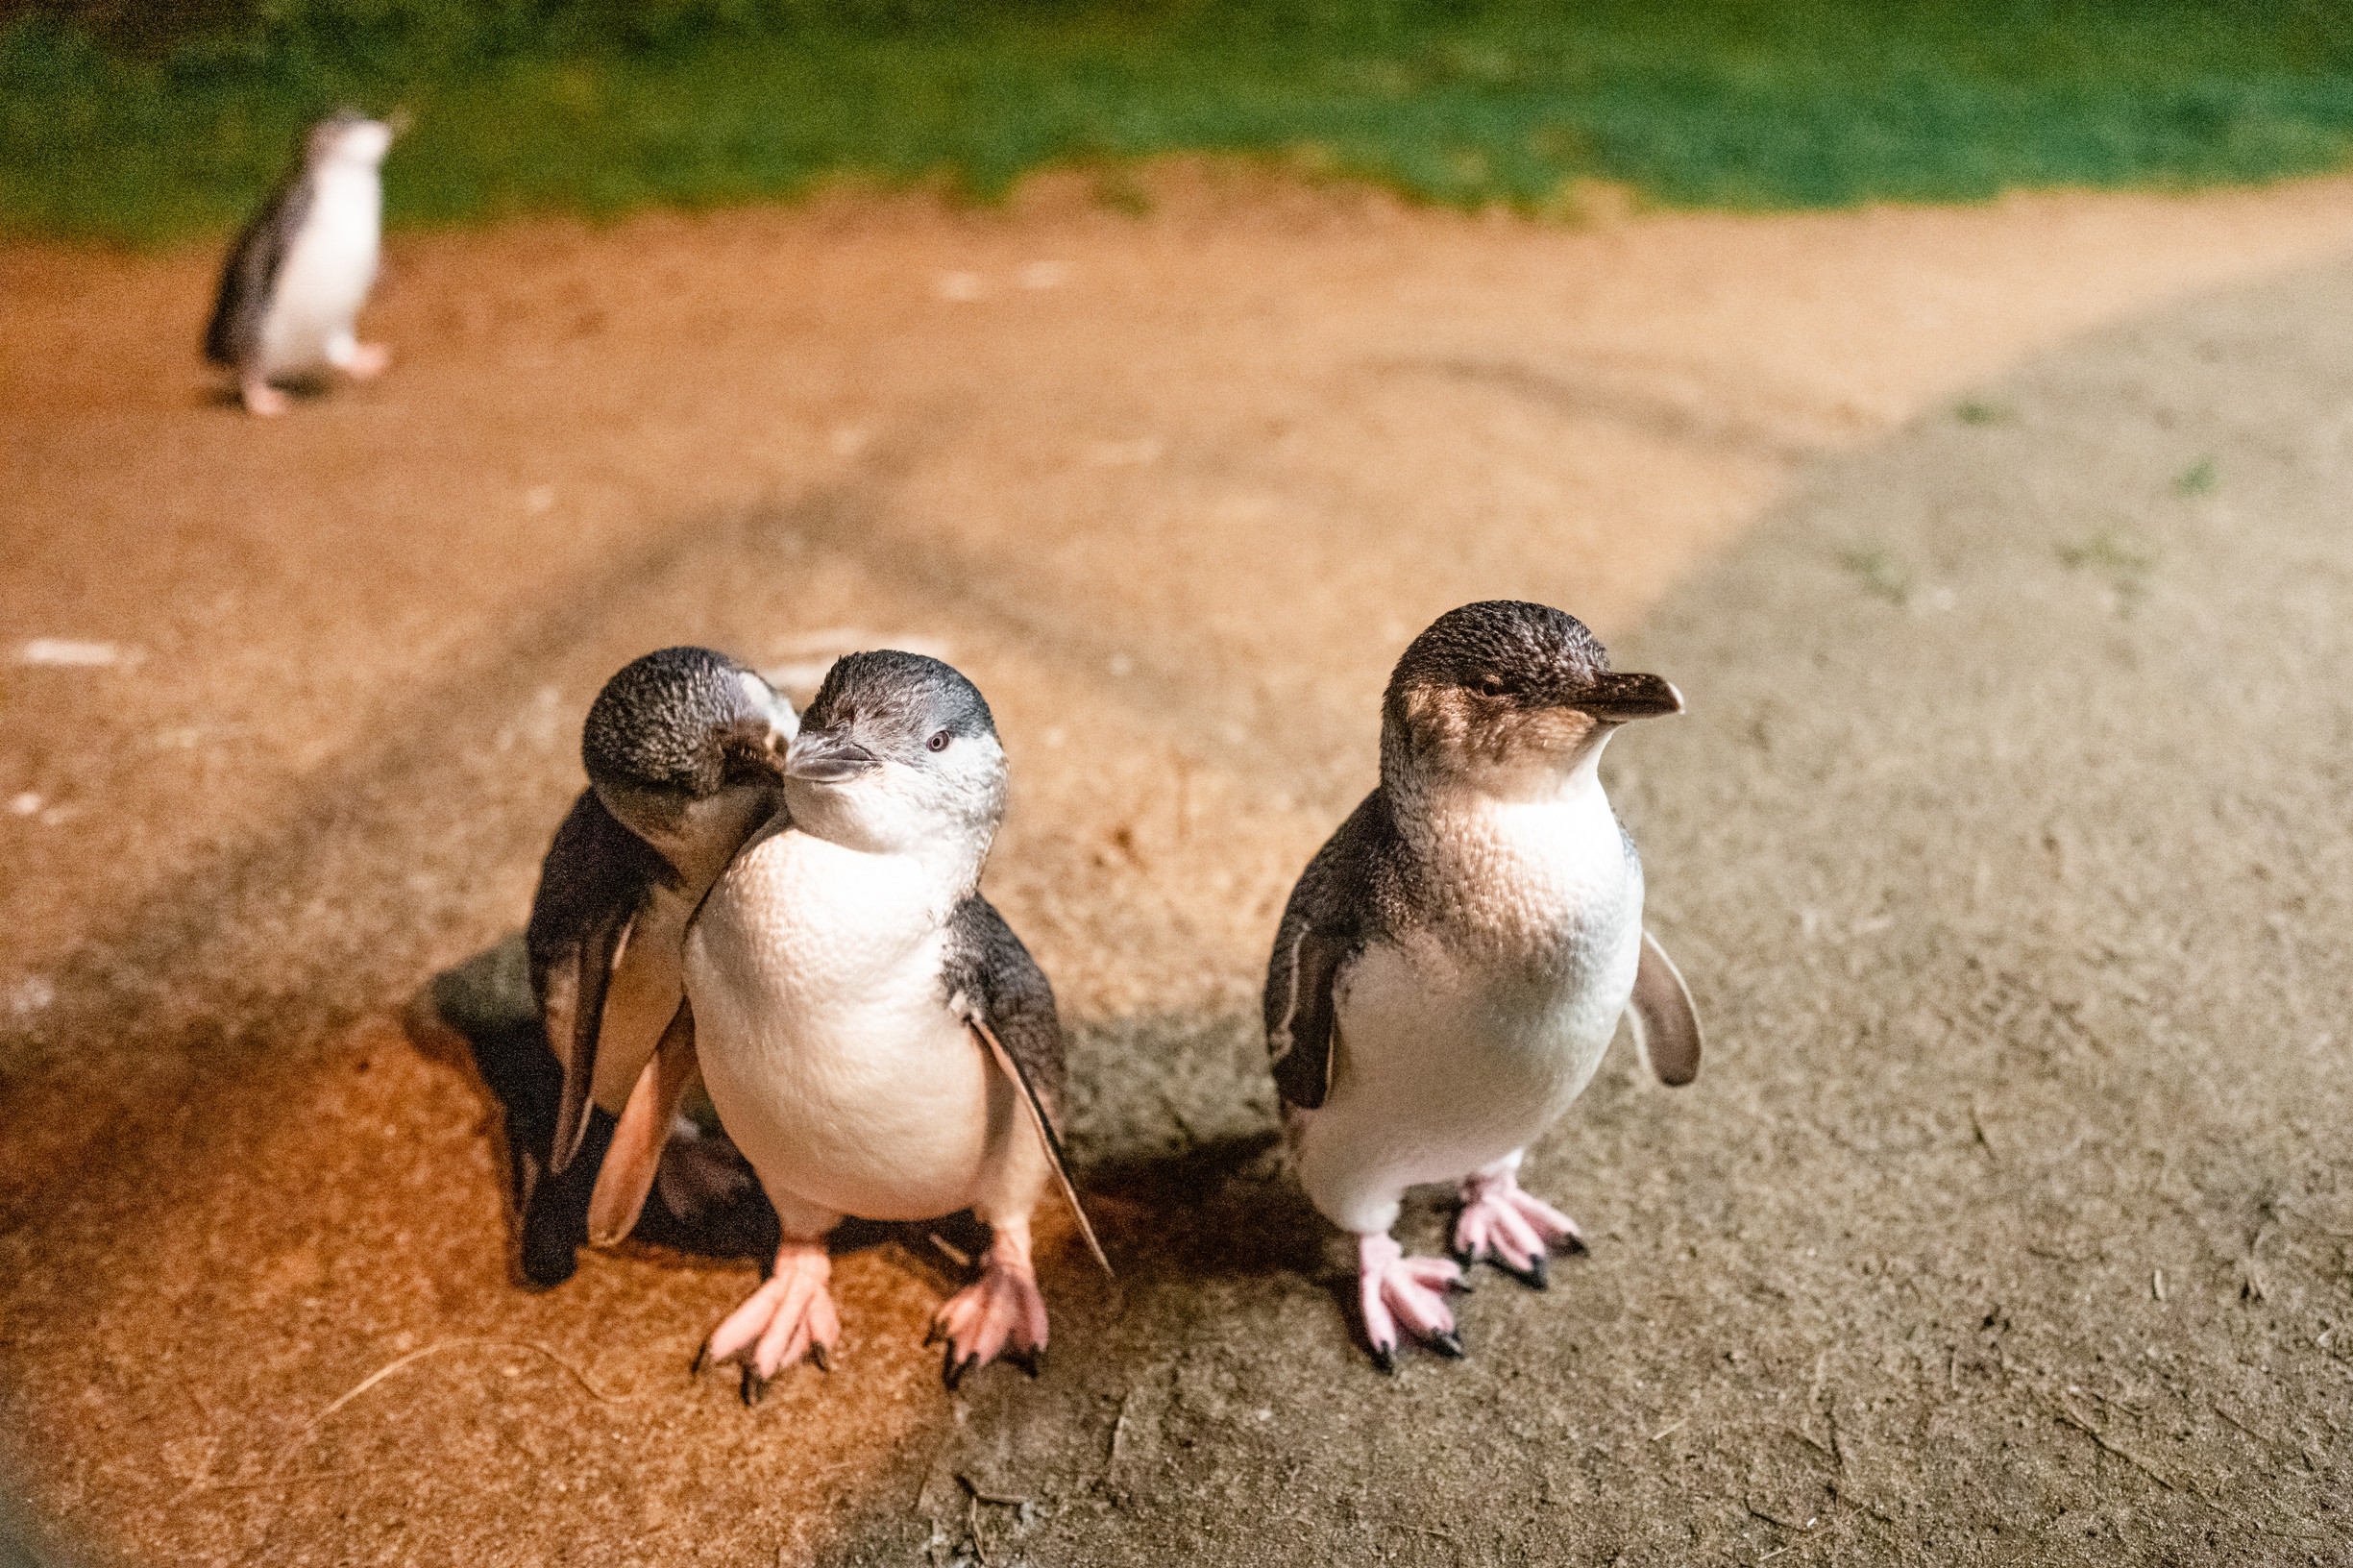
{"type": "Point", "coordinates": [876, 1040]}
{"type": "Point", "coordinates": [683, 749]}
{"type": "Point", "coordinates": [290, 294]}
{"type": "Point", "coordinates": [1453, 963]}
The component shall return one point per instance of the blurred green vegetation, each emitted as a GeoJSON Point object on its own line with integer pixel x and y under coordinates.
{"type": "Point", "coordinates": [144, 120]}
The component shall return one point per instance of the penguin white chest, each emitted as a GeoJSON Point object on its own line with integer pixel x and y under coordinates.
{"type": "Point", "coordinates": [327, 273]}
{"type": "Point", "coordinates": [1479, 1028]}
{"type": "Point", "coordinates": [825, 1037]}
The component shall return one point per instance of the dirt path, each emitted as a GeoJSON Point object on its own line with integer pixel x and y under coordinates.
{"type": "Point", "coordinates": [1173, 491]}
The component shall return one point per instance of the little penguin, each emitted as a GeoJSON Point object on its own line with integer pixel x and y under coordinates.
{"type": "Point", "coordinates": [1454, 961]}
{"type": "Point", "coordinates": [684, 752]}
{"type": "Point", "coordinates": [876, 1040]}
{"type": "Point", "coordinates": [290, 294]}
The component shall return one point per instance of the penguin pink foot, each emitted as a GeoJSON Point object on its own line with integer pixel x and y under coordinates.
{"type": "Point", "coordinates": [263, 398]}
{"type": "Point", "coordinates": [366, 362]}
{"type": "Point", "coordinates": [1000, 1312]}
{"type": "Point", "coordinates": [1511, 1229]}
{"type": "Point", "coordinates": [1395, 1289]}
{"type": "Point", "coordinates": [790, 1317]}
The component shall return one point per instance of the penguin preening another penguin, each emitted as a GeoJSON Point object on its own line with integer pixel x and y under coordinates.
{"type": "Point", "coordinates": [684, 755]}
{"type": "Point", "coordinates": [1453, 961]}
{"type": "Point", "coordinates": [291, 291]}
{"type": "Point", "coordinates": [876, 1040]}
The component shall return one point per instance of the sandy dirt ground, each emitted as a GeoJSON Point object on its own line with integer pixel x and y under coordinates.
{"type": "Point", "coordinates": [1973, 698]}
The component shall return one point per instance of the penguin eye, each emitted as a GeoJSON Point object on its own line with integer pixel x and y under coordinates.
{"type": "Point", "coordinates": [938, 741]}
{"type": "Point", "coordinates": [1490, 685]}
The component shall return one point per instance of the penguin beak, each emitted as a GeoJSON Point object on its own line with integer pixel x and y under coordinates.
{"type": "Point", "coordinates": [822, 756]}
{"type": "Point", "coordinates": [1620, 697]}
{"type": "Point", "coordinates": [761, 738]}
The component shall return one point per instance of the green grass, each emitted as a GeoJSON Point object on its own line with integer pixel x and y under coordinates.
{"type": "Point", "coordinates": [601, 106]}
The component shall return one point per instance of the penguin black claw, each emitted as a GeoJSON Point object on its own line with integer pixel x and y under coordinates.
{"type": "Point", "coordinates": [703, 1358]}
{"type": "Point", "coordinates": [1448, 1345]}
{"type": "Point", "coordinates": [820, 1355]}
{"type": "Point", "coordinates": [1536, 1275]}
{"type": "Point", "coordinates": [755, 1388]}
{"type": "Point", "coordinates": [1031, 1362]}
{"type": "Point", "coordinates": [952, 1371]}
{"type": "Point", "coordinates": [1385, 1361]}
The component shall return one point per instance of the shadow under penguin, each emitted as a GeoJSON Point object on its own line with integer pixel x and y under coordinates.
{"type": "Point", "coordinates": [707, 1202]}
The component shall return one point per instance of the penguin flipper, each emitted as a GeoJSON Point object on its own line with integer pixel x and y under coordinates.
{"type": "Point", "coordinates": [627, 1174]}
{"type": "Point", "coordinates": [1005, 999]}
{"type": "Point", "coordinates": [1344, 900]}
{"type": "Point", "coordinates": [1300, 1037]}
{"type": "Point", "coordinates": [1666, 1025]}
{"type": "Point", "coordinates": [575, 1014]}
{"type": "Point", "coordinates": [1011, 1065]}
{"type": "Point", "coordinates": [594, 882]}
{"type": "Point", "coordinates": [643, 992]}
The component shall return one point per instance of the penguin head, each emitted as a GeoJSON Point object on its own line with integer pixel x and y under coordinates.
{"type": "Point", "coordinates": [898, 754]}
{"type": "Point", "coordinates": [349, 137]}
{"type": "Point", "coordinates": [1508, 695]}
{"type": "Point", "coordinates": [678, 728]}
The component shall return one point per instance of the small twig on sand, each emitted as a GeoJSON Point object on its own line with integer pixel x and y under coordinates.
{"type": "Point", "coordinates": [1978, 1127]}
{"type": "Point", "coordinates": [1851, 1499]}
{"type": "Point", "coordinates": [1671, 1428]}
{"type": "Point", "coordinates": [1118, 1430]}
{"type": "Point", "coordinates": [1024, 1510]}
{"type": "Point", "coordinates": [2068, 1416]}
{"type": "Point", "coordinates": [1798, 1433]}
{"type": "Point", "coordinates": [2241, 1425]}
{"type": "Point", "coordinates": [1424, 1530]}
{"type": "Point", "coordinates": [1772, 1520]}
{"type": "Point", "coordinates": [298, 1479]}
{"type": "Point", "coordinates": [389, 1368]}
{"type": "Point", "coordinates": [2297, 1449]}
{"type": "Point", "coordinates": [972, 1490]}
{"type": "Point", "coordinates": [276, 1475]}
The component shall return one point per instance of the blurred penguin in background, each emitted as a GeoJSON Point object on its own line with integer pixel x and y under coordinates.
{"type": "Point", "coordinates": [291, 295]}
